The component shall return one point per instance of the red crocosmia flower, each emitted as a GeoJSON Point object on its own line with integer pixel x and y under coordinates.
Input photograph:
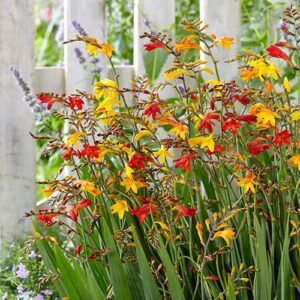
{"type": "Point", "coordinates": [278, 53]}
{"type": "Point", "coordinates": [212, 277]}
{"type": "Point", "coordinates": [75, 102]}
{"type": "Point", "coordinates": [231, 124]}
{"type": "Point", "coordinates": [74, 211]}
{"type": "Point", "coordinates": [184, 211]}
{"type": "Point", "coordinates": [246, 118]}
{"type": "Point", "coordinates": [47, 218]}
{"type": "Point", "coordinates": [138, 161]}
{"type": "Point", "coordinates": [255, 147]}
{"type": "Point", "coordinates": [242, 100]}
{"type": "Point", "coordinates": [194, 98]}
{"type": "Point", "coordinates": [184, 162]}
{"type": "Point", "coordinates": [89, 151]}
{"type": "Point", "coordinates": [78, 249]}
{"type": "Point", "coordinates": [143, 211]}
{"type": "Point", "coordinates": [47, 99]}
{"type": "Point", "coordinates": [282, 138]}
{"type": "Point", "coordinates": [68, 153]}
{"type": "Point", "coordinates": [207, 122]}
{"type": "Point", "coordinates": [154, 44]}
{"type": "Point", "coordinates": [152, 110]}
{"type": "Point", "coordinates": [218, 149]}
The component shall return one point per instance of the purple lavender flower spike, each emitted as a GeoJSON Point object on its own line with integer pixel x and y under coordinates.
{"type": "Point", "coordinates": [79, 28]}
{"type": "Point", "coordinates": [79, 55]}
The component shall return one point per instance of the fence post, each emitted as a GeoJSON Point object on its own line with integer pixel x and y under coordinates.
{"type": "Point", "coordinates": [160, 14]}
{"type": "Point", "coordinates": [17, 150]}
{"type": "Point", "coordinates": [223, 17]}
{"type": "Point", "coordinates": [91, 16]}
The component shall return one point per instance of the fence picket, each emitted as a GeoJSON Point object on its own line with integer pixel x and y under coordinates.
{"type": "Point", "coordinates": [17, 151]}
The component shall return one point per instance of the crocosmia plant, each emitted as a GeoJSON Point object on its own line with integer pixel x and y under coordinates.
{"type": "Point", "coordinates": [190, 197]}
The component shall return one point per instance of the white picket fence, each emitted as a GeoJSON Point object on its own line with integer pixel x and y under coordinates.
{"type": "Point", "coordinates": [17, 150]}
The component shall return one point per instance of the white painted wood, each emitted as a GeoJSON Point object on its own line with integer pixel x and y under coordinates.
{"type": "Point", "coordinates": [91, 15]}
{"type": "Point", "coordinates": [160, 14]}
{"type": "Point", "coordinates": [49, 79]}
{"type": "Point", "coordinates": [223, 17]}
{"type": "Point", "coordinates": [17, 150]}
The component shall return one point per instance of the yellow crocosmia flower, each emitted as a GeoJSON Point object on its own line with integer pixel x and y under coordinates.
{"type": "Point", "coordinates": [226, 42]}
{"type": "Point", "coordinates": [295, 161]}
{"type": "Point", "coordinates": [141, 134]}
{"type": "Point", "coordinates": [130, 184]}
{"type": "Point", "coordinates": [295, 115]}
{"type": "Point", "coordinates": [179, 130]}
{"type": "Point", "coordinates": [87, 186]}
{"type": "Point", "coordinates": [294, 223]}
{"type": "Point", "coordinates": [286, 85]}
{"type": "Point", "coordinates": [222, 226]}
{"type": "Point", "coordinates": [203, 142]}
{"type": "Point", "coordinates": [207, 70]}
{"type": "Point", "coordinates": [226, 234]}
{"type": "Point", "coordinates": [162, 153]}
{"type": "Point", "coordinates": [207, 223]}
{"type": "Point", "coordinates": [120, 207]}
{"type": "Point", "coordinates": [106, 105]}
{"type": "Point", "coordinates": [249, 74]}
{"type": "Point", "coordinates": [169, 75]}
{"type": "Point", "coordinates": [272, 71]}
{"type": "Point", "coordinates": [241, 266]}
{"type": "Point", "coordinates": [106, 49]}
{"type": "Point", "coordinates": [128, 171]}
{"type": "Point", "coordinates": [248, 182]}
{"type": "Point", "coordinates": [162, 225]}
{"type": "Point", "coordinates": [102, 152]}
{"type": "Point", "coordinates": [213, 82]}
{"type": "Point", "coordinates": [106, 88]}
{"type": "Point", "coordinates": [232, 271]}
{"type": "Point", "coordinates": [123, 148]}
{"type": "Point", "coordinates": [199, 229]}
{"type": "Point", "coordinates": [92, 50]}
{"type": "Point", "coordinates": [266, 117]}
{"type": "Point", "coordinates": [74, 139]}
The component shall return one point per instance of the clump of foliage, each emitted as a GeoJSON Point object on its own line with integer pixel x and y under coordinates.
{"type": "Point", "coordinates": [192, 196]}
{"type": "Point", "coordinates": [23, 274]}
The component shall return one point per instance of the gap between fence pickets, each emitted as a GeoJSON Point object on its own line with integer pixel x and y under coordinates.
{"type": "Point", "coordinates": [52, 79]}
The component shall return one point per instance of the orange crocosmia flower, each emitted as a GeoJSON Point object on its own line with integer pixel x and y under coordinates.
{"type": "Point", "coordinates": [186, 44]}
{"type": "Point", "coordinates": [249, 74]}
{"type": "Point", "coordinates": [74, 139]}
{"type": "Point", "coordinates": [227, 234]}
{"type": "Point", "coordinates": [199, 229]}
{"type": "Point", "coordinates": [226, 42]}
{"type": "Point", "coordinates": [106, 49]}
{"type": "Point", "coordinates": [184, 211]}
{"type": "Point", "coordinates": [295, 161]}
{"type": "Point", "coordinates": [268, 86]}
{"type": "Point", "coordinates": [248, 182]}
{"type": "Point", "coordinates": [256, 108]}
{"type": "Point", "coordinates": [74, 211]}
{"type": "Point", "coordinates": [49, 191]}
{"type": "Point", "coordinates": [87, 186]}
{"type": "Point", "coordinates": [46, 218]}
{"type": "Point", "coordinates": [119, 208]}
